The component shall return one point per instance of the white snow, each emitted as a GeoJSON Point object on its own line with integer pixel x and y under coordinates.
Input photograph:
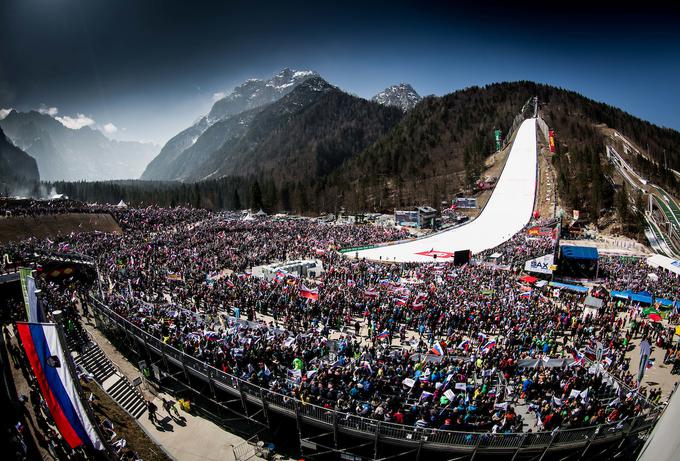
{"type": "Point", "coordinates": [302, 73]}
{"type": "Point", "coordinates": [509, 209]}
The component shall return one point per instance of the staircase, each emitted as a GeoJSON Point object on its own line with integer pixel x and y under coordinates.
{"type": "Point", "coordinates": [128, 397]}
{"type": "Point", "coordinates": [115, 384]}
{"type": "Point", "coordinates": [93, 359]}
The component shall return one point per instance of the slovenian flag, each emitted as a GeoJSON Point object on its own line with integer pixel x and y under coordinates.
{"type": "Point", "coordinates": [309, 293]}
{"type": "Point", "coordinates": [527, 294]}
{"type": "Point", "coordinates": [489, 345]}
{"type": "Point", "coordinates": [400, 302]}
{"type": "Point", "coordinates": [437, 349]}
{"type": "Point", "coordinates": [417, 306]}
{"type": "Point", "coordinates": [384, 334]}
{"type": "Point", "coordinates": [48, 361]}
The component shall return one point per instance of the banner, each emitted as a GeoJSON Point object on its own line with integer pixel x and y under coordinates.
{"type": "Point", "coordinates": [551, 134]}
{"type": "Point", "coordinates": [49, 363]}
{"type": "Point", "coordinates": [540, 265]}
{"type": "Point", "coordinates": [24, 273]}
{"type": "Point", "coordinates": [541, 231]}
{"type": "Point", "coordinates": [34, 314]}
{"type": "Point", "coordinates": [497, 135]}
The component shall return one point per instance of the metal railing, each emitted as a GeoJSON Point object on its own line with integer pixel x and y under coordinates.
{"type": "Point", "coordinates": [371, 428]}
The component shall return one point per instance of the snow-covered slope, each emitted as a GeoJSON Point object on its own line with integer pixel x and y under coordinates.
{"type": "Point", "coordinates": [507, 212]}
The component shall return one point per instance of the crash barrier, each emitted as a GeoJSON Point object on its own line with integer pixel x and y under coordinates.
{"type": "Point", "coordinates": [361, 427]}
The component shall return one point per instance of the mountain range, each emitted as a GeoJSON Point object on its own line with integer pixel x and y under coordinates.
{"type": "Point", "coordinates": [295, 142]}
{"type": "Point", "coordinates": [66, 154]}
{"type": "Point", "coordinates": [271, 125]}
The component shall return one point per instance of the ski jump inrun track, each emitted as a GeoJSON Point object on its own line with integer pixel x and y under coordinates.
{"type": "Point", "coordinates": [509, 209]}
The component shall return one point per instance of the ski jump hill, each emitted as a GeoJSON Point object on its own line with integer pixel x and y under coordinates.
{"type": "Point", "coordinates": [509, 209]}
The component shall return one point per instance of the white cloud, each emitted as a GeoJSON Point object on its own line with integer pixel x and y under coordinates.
{"type": "Point", "coordinates": [51, 111]}
{"type": "Point", "coordinates": [75, 123]}
{"type": "Point", "coordinates": [4, 112]}
{"type": "Point", "coordinates": [110, 128]}
{"type": "Point", "coordinates": [219, 95]}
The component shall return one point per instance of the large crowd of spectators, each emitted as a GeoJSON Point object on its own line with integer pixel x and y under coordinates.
{"type": "Point", "coordinates": [384, 341]}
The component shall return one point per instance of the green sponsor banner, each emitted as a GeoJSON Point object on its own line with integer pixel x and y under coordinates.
{"type": "Point", "coordinates": [497, 134]}
{"type": "Point", "coordinates": [347, 250]}
{"type": "Point", "coordinates": [23, 273]}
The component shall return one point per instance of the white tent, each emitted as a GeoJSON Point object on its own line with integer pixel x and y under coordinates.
{"type": "Point", "coordinates": [664, 262]}
{"type": "Point", "coordinates": [122, 204]}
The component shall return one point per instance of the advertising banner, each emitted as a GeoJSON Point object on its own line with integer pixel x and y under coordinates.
{"type": "Point", "coordinates": [466, 202]}
{"type": "Point", "coordinates": [541, 265]}
{"type": "Point", "coordinates": [552, 141]}
{"type": "Point", "coordinates": [497, 135]}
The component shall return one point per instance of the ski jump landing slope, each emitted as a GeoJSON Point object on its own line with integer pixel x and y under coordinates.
{"type": "Point", "coordinates": [509, 209]}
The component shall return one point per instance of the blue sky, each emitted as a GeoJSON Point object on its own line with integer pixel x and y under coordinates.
{"type": "Point", "coordinates": [150, 68]}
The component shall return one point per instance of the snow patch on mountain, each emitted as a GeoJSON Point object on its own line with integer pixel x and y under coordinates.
{"type": "Point", "coordinates": [402, 95]}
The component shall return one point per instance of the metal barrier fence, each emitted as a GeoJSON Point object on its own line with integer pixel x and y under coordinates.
{"type": "Point", "coordinates": [544, 128]}
{"type": "Point", "coordinates": [398, 434]}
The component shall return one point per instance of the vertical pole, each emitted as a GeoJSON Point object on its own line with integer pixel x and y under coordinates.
{"type": "Point", "coordinates": [99, 282]}
{"type": "Point", "coordinates": [243, 399]}
{"type": "Point", "coordinates": [298, 420]}
{"type": "Point", "coordinates": [375, 441]}
{"type": "Point", "coordinates": [335, 429]}
{"type": "Point", "coordinates": [265, 407]}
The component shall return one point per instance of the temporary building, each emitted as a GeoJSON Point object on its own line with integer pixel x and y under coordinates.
{"type": "Point", "coordinates": [664, 262]}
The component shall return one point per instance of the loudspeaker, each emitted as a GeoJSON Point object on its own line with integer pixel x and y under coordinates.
{"type": "Point", "coordinates": [461, 257]}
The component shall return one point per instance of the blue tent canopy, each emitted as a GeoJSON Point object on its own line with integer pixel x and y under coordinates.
{"type": "Point", "coordinates": [581, 253]}
{"type": "Point", "coordinates": [641, 298]}
{"type": "Point", "coordinates": [665, 302]}
{"type": "Point", "coordinates": [567, 286]}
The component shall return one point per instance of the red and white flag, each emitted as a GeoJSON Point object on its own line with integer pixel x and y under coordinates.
{"type": "Point", "coordinates": [309, 293]}
{"type": "Point", "coordinates": [371, 293]}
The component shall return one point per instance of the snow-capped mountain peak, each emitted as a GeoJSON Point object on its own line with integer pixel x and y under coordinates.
{"type": "Point", "coordinates": [258, 92]}
{"type": "Point", "coordinates": [401, 95]}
